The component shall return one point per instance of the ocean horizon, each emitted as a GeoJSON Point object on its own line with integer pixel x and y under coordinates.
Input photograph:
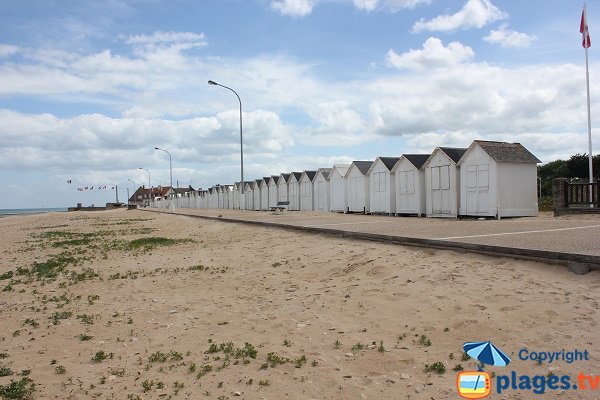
{"type": "Point", "coordinates": [18, 211]}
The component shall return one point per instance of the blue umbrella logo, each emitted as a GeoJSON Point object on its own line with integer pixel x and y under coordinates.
{"type": "Point", "coordinates": [486, 353]}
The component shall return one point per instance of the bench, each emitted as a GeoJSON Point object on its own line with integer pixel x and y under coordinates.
{"type": "Point", "coordinates": [281, 206]}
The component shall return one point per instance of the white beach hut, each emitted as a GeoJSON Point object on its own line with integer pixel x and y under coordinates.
{"type": "Point", "coordinates": [337, 187]}
{"type": "Point", "coordinates": [256, 200]}
{"type": "Point", "coordinates": [249, 195]}
{"type": "Point", "coordinates": [264, 193]}
{"type": "Point", "coordinates": [442, 182]}
{"type": "Point", "coordinates": [228, 196]}
{"type": "Point", "coordinates": [357, 186]}
{"type": "Point", "coordinates": [294, 191]}
{"type": "Point", "coordinates": [236, 195]}
{"type": "Point", "coordinates": [273, 191]}
{"type": "Point", "coordinates": [283, 187]}
{"type": "Point", "coordinates": [307, 190]}
{"type": "Point", "coordinates": [498, 179]}
{"type": "Point", "coordinates": [321, 189]}
{"type": "Point", "coordinates": [220, 197]}
{"type": "Point", "coordinates": [382, 185]}
{"type": "Point", "coordinates": [410, 184]}
{"type": "Point", "coordinates": [213, 198]}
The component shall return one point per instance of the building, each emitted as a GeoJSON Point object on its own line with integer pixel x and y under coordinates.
{"type": "Point", "coordinates": [442, 182]}
{"type": "Point", "coordinates": [264, 193]}
{"type": "Point", "coordinates": [294, 191]}
{"type": "Point", "coordinates": [337, 188]}
{"type": "Point", "coordinates": [249, 195]}
{"type": "Point", "coordinates": [321, 189]}
{"type": "Point", "coordinates": [498, 179]}
{"type": "Point", "coordinates": [143, 197]}
{"type": "Point", "coordinates": [410, 184]}
{"type": "Point", "coordinates": [273, 191]}
{"type": "Point", "coordinates": [382, 186]}
{"type": "Point", "coordinates": [357, 186]}
{"type": "Point", "coordinates": [283, 187]}
{"type": "Point", "coordinates": [256, 200]}
{"type": "Point", "coordinates": [307, 190]}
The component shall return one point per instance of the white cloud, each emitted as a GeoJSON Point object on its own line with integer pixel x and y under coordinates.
{"type": "Point", "coordinates": [433, 55]}
{"type": "Point", "coordinates": [293, 8]}
{"type": "Point", "coordinates": [508, 38]}
{"type": "Point", "coordinates": [388, 5]}
{"type": "Point", "coordinates": [8, 50]}
{"type": "Point", "coordinates": [474, 14]}
{"type": "Point", "coordinates": [168, 37]}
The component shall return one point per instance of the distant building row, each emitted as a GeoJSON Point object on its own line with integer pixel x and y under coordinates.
{"type": "Point", "coordinates": [495, 179]}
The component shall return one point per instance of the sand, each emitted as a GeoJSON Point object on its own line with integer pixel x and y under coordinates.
{"type": "Point", "coordinates": [341, 319]}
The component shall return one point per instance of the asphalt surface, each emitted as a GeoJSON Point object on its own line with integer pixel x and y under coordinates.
{"type": "Point", "coordinates": [547, 238]}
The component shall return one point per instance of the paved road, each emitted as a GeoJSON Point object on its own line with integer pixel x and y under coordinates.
{"type": "Point", "coordinates": [568, 235]}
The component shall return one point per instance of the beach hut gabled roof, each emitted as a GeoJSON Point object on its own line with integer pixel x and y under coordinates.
{"type": "Point", "coordinates": [325, 172]}
{"type": "Point", "coordinates": [310, 174]}
{"type": "Point", "coordinates": [389, 162]}
{"type": "Point", "coordinates": [363, 166]}
{"type": "Point", "coordinates": [455, 153]}
{"type": "Point", "coordinates": [505, 152]}
{"type": "Point", "coordinates": [342, 168]}
{"type": "Point", "coordinates": [274, 179]}
{"type": "Point", "coordinates": [286, 177]}
{"type": "Point", "coordinates": [297, 175]}
{"type": "Point", "coordinates": [418, 160]}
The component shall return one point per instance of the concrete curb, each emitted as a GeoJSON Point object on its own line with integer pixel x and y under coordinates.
{"type": "Point", "coordinates": [578, 263]}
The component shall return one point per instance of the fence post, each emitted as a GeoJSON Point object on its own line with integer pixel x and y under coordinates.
{"type": "Point", "coordinates": [559, 194]}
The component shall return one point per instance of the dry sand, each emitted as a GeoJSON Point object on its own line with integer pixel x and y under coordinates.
{"type": "Point", "coordinates": [292, 294]}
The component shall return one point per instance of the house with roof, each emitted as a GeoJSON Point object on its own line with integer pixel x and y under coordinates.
{"type": "Point", "coordinates": [337, 188]}
{"type": "Point", "coordinates": [442, 182]}
{"type": "Point", "coordinates": [145, 197]}
{"type": "Point", "coordinates": [498, 179]}
{"type": "Point", "coordinates": [321, 188]}
{"type": "Point", "coordinates": [294, 191]}
{"type": "Point", "coordinates": [357, 186]}
{"type": "Point", "coordinates": [307, 190]}
{"type": "Point", "coordinates": [409, 176]}
{"type": "Point", "coordinates": [382, 186]}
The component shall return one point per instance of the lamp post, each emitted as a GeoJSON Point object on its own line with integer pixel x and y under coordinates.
{"type": "Point", "coordinates": [170, 164]}
{"type": "Point", "coordinates": [241, 142]}
{"type": "Point", "coordinates": [133, 183]}
{"type": "Point", "coordinates": [149, 187]}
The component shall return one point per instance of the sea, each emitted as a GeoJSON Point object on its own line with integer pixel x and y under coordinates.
{"type": "Point", "coordinates": [19, 211]}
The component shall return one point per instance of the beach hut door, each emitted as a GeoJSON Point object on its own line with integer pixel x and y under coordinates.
{"type": "Point", "coordinates": [478, 187]}
{"type": "Point", "coordinates": [320, 186]}
{"type": "Point", "coordinates": [353, 200]}
{"type": "Point", "coordinates": [440, 189]}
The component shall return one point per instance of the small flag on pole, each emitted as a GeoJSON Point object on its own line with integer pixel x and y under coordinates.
{"type": "Point", "coordinates": [583, 29]}
{"type": "Point", "coordinates": [69, 181]}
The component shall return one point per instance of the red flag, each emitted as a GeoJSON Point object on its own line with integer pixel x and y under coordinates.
{"type": "Point", "coordinates": [585, 32]}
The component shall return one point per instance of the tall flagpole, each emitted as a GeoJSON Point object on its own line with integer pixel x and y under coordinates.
{"type": "Point", "coordinates": [586, 45]}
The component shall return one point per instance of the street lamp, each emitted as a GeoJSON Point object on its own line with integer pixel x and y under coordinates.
{"type": "Point", "coordinates": [149, 187]}
{"type": "Point", "coordinates": [241, 141]}
{"type": "Point", "coordinates": [133, 183]}
{"type": "Point", "coordinates": [170, 163]}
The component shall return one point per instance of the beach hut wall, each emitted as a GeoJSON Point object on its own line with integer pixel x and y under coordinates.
{"type": "Point", "coordinates": [337, 187]}
{"type": "Point", "coordinates": [382, 185]}
{"type": "Point", "coordinates": [498, 179]}
{"type": "Point", "coordinates": [442, 182]}
{"type": "Point", "coordinates": [283, 187]}
{"type": "Point", "coordinates": [249, 195]}
{"type": "Point", "coordinates": [256, 200]}
{"type": "Point", "coordinates": [273, 191]}
{"type": "Point", "coordinates": [321, 189]}
{"type": "Point", "coordinates": [409, 175]}
{"type": "Point", "coordinates": [264, 193]}
{"type": "Point", "coordinates": [357, 186]}
{"type": "Point", "coordinates": [307, 190]}
{"type": "Point", "coordinates": [294, 191]}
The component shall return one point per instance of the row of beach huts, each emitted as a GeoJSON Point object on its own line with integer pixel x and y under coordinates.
{"type": "Point", "coordinates": [487, 179]}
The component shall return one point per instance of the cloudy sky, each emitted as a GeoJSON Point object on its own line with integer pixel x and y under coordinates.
{"type": "Point", "coordinates": [88, 88]}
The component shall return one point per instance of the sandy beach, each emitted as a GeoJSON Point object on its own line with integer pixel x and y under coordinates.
{"type": "Point", "coordinates": [137, 305]}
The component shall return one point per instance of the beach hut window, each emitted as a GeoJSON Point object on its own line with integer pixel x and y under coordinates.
{"type": "Point", "coordinates": [440, 177]}
{"type": "Point", "coordinates": [406, 181]}
{"type": "Point", "coordinates": [379, 181]}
